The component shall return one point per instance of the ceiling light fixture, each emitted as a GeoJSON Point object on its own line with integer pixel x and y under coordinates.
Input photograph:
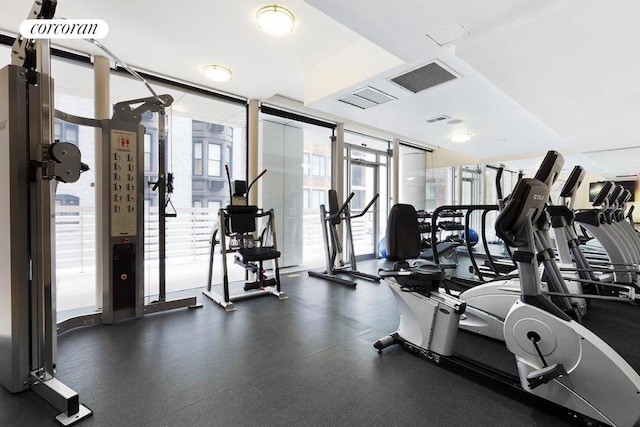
{"type": "Point", "coordinates": [217, 73]}
{"type": "Point", "coordinates": [276, 20]}
{"type": "Point", "coordinates": [460, 137]}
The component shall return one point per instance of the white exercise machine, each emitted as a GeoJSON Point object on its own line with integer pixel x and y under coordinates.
{"type": "Point", "coordinates": [558, 359]}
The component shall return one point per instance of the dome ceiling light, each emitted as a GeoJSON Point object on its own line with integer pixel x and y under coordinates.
{"type": "Point", "coordinates": [217, 73]}
{"type": "Point", "coordinates": [460, 137]}
{"type": "Point", "coordinates": [276, 20]}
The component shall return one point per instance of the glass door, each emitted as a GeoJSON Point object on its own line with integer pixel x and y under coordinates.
{"type": "Point", "coordinates": [363, 182]}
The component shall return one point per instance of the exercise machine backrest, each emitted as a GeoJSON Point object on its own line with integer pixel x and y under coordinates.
{"type": "Point", "coordinates": [242, 218]}
{"type": "Point", "coordinates": [402, 235]}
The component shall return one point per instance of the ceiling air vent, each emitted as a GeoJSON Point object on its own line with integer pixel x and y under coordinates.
{"type": "Point", "coordinates": [366, 97]}
{"type": "Point", "coordinates": [438, 119]}
{"type": "Point", "coordinates": [422, 78]}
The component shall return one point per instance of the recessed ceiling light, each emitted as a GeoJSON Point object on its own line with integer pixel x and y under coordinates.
{"type": "Point", "coordinates": [217, 73]}
{"type": "Point", "coordinates": [460, 137]}
{"type": "Point", "coordinates": [276, 20]}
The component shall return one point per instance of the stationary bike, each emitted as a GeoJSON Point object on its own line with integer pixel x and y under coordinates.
{"type": "Point", "coordinates": [558, 359]}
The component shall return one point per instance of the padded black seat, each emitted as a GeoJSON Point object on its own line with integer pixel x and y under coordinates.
{"type": "Point", "coordinates": [258, 254]}
{"type": "Point", "coordinates": [403, 243]}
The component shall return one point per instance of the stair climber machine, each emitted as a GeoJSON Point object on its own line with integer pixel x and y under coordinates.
{"type": "Point", "coordinates": [488, 302]}
{"type": "Point", "coordinates": [331, 222]}
{"type": "Point", "coordinates": [236, 233]}
{"type": "Point", "coordinates": [559, 361]}
{"type": "Point", "coordinates": [596, 280]}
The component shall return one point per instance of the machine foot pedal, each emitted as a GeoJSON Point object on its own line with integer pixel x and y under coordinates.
{"type": "Point", "coordinates": [546, 374]}
{"type": "Point", "coordinates": [251, 286]}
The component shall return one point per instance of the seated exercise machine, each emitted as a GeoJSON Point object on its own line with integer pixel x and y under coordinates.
{"type": "Point", "coordinates": [559, 361]}
{"type": "Point", "coordinates": [331, 222]}
{"type": "Point", "coordinates": [236, 231]}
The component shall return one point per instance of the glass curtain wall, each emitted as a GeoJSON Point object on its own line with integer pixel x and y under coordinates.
{"type": "Point", "coordinates": [75, 217]}
{"type": "Point", "coordinates": [413, 176]}
{"type": "Point", "coordinates": [296, 151]}
{"type": "Point", "coordinates": [472, 180]}
{"type": "Point", "coordinates": [439, 189]}
{"type": "Point", "coordinates": [205, 132]}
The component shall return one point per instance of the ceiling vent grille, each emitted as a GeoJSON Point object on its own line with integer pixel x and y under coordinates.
{"type": "Point", "coordinates": [366, 97]}
{"type": "Point", "coordinates": [422, 78]}
{"type": "Point", "coordinates": [438, 119]}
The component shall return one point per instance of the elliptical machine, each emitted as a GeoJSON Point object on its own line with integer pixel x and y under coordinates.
{"type": "Point", "coordinates": [558, 359]}
{"type": "Point", "coordinates": [331, 220]}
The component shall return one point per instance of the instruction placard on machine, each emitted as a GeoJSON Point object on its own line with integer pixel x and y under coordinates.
{"type": "Point", "coordinates": [123, 183]}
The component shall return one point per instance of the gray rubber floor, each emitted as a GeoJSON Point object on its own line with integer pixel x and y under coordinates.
{"type": "Point", "coordinates": [305, 361]}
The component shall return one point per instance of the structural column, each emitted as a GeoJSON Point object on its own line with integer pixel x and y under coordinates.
{"type": "Point", "coordinates": [483, 185]}
{"type": "Point", "coordinates": [458, 187]}
{"type": "Point", "coordinates": [252, 151]}
{"type": "Point", "coordinates": [395, 173]}
{"type": "Point", "coordinates": [102, 108]}
{"type": "Point", "coordinates": [338, 163]}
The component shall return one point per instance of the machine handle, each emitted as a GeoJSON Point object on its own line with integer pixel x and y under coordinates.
{"type": "Point", "coordinates": [342, 208]}
{"type": "Point", "coordinates": [499, 182]}
{"type": "Point", "coordinates": [501, 229]}
{"type": "Point", "coordinates": [366, 207]}
{"type": "Point", "coordinates": [254, 181]}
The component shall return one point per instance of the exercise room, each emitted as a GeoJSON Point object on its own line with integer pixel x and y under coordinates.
{"type": "Point", "coordinates": [319, 213]}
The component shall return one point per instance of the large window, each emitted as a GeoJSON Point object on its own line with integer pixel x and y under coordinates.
{"type": "Point", "coordinates": [66, 132]}
{"type": "Point", "coordinates": [439, 188]}
{"type": "Point", "coordinates": [297, 155]}
{"type": "Point", "coordinates": [318, 165]}
{"type": "Point", "coordinates": [197, 157]}
{"type": "Point", "coordinates": [412, 176]}
{"type": "Point", "coordinates": [215, 157]}
{"type": "Point", "coordinates": [197, 171]}
{"type": "Point", "coordinates": [148, 159]}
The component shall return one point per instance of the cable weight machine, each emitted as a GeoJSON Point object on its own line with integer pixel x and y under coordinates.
{"type": "Point", "coordinates": [31, 164]}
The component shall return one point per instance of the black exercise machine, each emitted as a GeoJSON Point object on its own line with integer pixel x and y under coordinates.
{"type": "Point", "coordinates": [236, 230]}
{"type": "Point", "coordinates": [332, 242]}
